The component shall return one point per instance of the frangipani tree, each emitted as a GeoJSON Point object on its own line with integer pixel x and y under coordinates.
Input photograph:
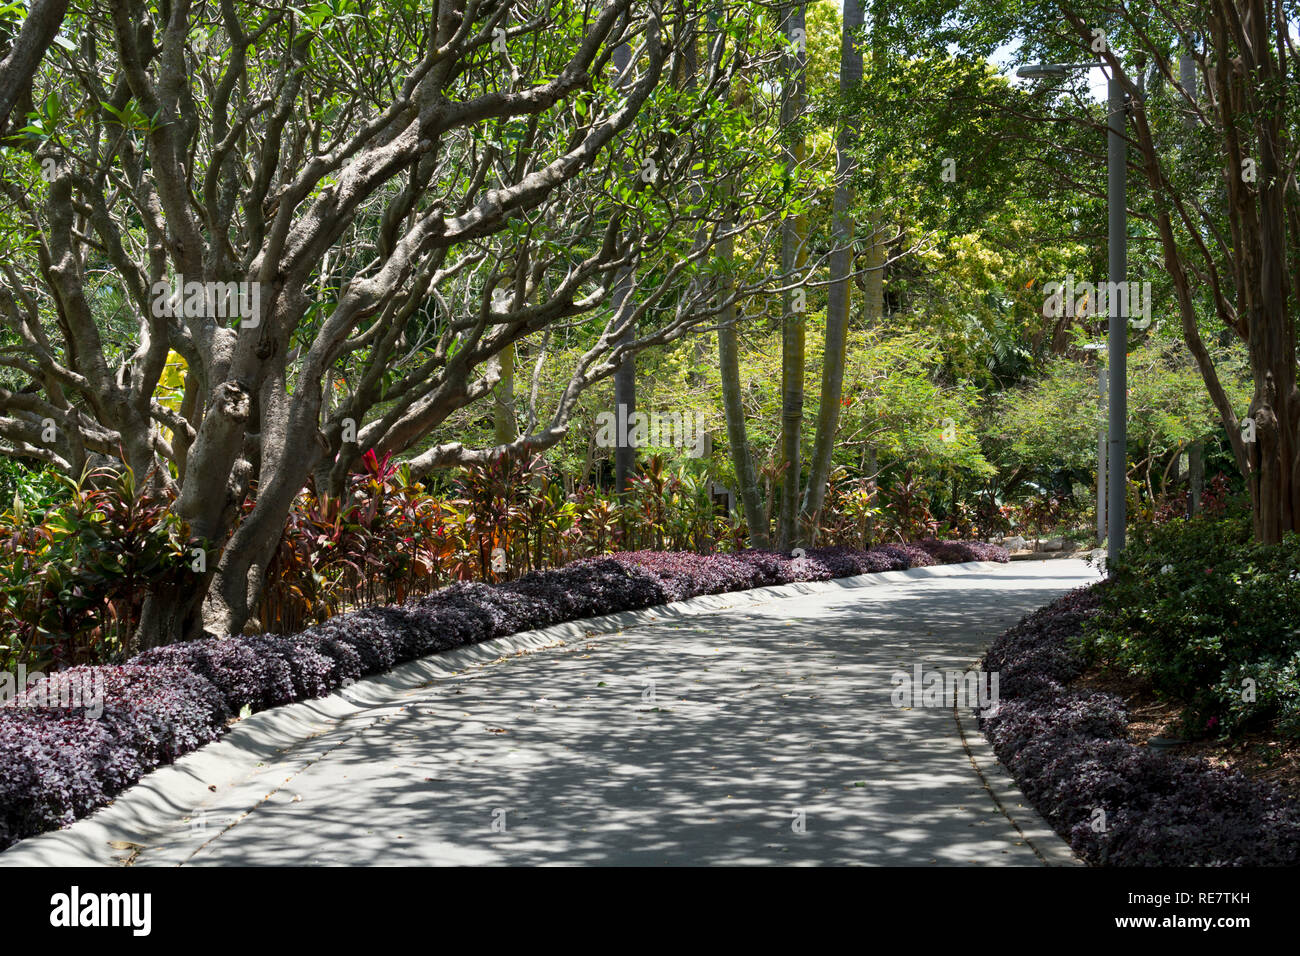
{"type": "Point", "coordinates": [334, 217]}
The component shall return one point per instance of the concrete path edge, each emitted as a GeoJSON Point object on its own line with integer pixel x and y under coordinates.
{"type": "Point", "coordinates": [1046, 843]}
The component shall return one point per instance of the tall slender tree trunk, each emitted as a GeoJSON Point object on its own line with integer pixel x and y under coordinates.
{"type": "Point", "coordinates": [729, 363]}
{"type": "Point", "coordinates": [873, 299]}
{"type": "Point", "coordinates": [837, 308]}
{"type": "Point", "coordinates": [877, 252]}
{"type": "Point", "coordinates": [1272, 341]}
{"type": "Point", "coordinates": [1196, 451]}
{"type": "Point", "coordinates": [794, 255]}
{"type": "Point", "coordinates": [625, 377]}
{"type": "Point", "coordinates": [624, 402]}
{"type": "Point", "coordinates": [697, 376]}
{"type": "Point", "coordinates": [1195, 477]}
{"type": "Point", "coordinates": [734, 407]}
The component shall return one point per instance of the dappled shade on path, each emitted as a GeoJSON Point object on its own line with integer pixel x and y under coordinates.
{"type": "Point", "coordinates": [757, 713]}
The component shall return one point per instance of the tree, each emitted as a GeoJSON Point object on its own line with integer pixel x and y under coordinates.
{"type": "Point", "coordinates": [794, 259]}
{"type": "Point", "coordinates": [1219, 198]}
{"type": "Point", "coordinates": [25, 52]}
{"type": "Point", "coordinates": [837, 310]}
{"type": "Point", "coordinates": [364, 184]}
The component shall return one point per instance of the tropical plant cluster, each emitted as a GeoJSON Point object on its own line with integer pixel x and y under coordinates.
{"type": "Point", "coordinates": [1211, 620]}
{"type": "Point", "coordinates": [79, 564]}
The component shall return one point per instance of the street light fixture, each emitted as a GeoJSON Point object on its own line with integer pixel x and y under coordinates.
{"type": "Point", "coordinates": [1117, 333]}
{"type": "Point", "coordinates": [1050, 71]}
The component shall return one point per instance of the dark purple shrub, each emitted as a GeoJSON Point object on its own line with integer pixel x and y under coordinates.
{"type": "Point", "coordinates": [307, 669]}
{"type": "Point", "coordinates": [245, 678]}
{"type": "Point", "coordinates": [1212, 818]}
{"type": "Point", "coordinates": [769, 567]}
{"type": "Point", "coordinates": [344, 659]}
{"type": "Point", "coordinates": [983, 551]}
{"type": "Point", "coordinates": [52, 764]}
{"type": "Point", "coordinates": [917, 557]}
{"type": "Point", "coordinates": [457, 617]}
{"type": "Point", "coordinates": [59, 763]}
{"type": "Point", "coordinates": [471, 611]}
{"type": "Point", "coordinates": [897, 558]}
{"type": "Point", "coordinates": [595, 586]}
{"type": "Point", "coordinates": [850, 562]}
{"type": "Point", "coordinates": [536, 602]}
{"type": "Point", "coordinates": [1037, 654]}
{"type": "Point", "coordinates": [957, 552]}
{"type": "Point", "coordinates": [683, 574]}
{"type": "Point", "coordinates": [1019, 722]}
{"type": "Point", "coordinates": [945, 552]}
{"type": "Point", "coordinates": [375, 635]}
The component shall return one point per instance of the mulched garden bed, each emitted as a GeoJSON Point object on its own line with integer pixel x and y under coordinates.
{"type": "Point", "coordinates": [1261, 755]}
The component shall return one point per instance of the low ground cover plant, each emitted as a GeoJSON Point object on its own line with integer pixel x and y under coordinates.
{"type": "Point", "coordinates": [59, 763]}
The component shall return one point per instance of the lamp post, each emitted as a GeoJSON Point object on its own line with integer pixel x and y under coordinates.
{"type": "Point", "coordinates": [1117, 332]}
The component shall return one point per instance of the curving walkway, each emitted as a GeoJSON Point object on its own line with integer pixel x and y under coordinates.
{"type": "Point", "coordinates": [701, 738]}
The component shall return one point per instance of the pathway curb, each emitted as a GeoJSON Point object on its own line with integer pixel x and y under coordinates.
{"type": "Point", "coordinates": [1046, 843]}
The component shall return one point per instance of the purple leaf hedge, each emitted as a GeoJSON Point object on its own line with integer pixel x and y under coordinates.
{"type": "Point", "coordinates": [58, 763]}
{"type": "Point", "coordinates": [1068, 751]}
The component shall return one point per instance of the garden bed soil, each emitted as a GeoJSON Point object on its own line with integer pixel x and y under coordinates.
{"type": "Point", "coordinates": [1261, 755]}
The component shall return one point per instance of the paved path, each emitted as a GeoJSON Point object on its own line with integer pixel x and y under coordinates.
{"type": "Point", "coordinates": [698, 740]}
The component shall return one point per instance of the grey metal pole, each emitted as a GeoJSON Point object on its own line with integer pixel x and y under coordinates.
{"type": "Point", "coordinates": [1117, 338]}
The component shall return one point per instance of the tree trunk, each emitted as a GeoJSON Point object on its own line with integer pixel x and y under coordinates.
{"type": "Point", "coordinates": [873, 300]}
{"type": "Point", "coordinates": [1196, 451]}
{"type": "Point", "coordinates": [291, 447]}
{"type": "Point", "coordinates": [877, 253]}
{"type": "Point", "coordinates": [505, 428]}
{"type": "Point", "coordinates": [625, 377]}
{"type": "Point", "coordinates": [1195, 477]}
{"type": "Point", "coordinates": [1249, 70]}
{"type": "Point", "coordinates": [624, 401]}
{"type": "Point", "coordinates": [837, 307]}
{"type": "Point", "coordinates": [733, 405]}
{"type": "Point", "coordinates": [40, 27]}
{"type": "Point", "coordinates": [1276, 407]}
{"type": "Point", "coordinates": [172, 611]}
{"type": "Point", "coordinates": [794, 255]}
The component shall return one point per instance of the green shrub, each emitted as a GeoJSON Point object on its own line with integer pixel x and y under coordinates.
{"type": "Point", "coordinates": [1210, 618]}
{"type": "Point", "coordinates": [35, 490]}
